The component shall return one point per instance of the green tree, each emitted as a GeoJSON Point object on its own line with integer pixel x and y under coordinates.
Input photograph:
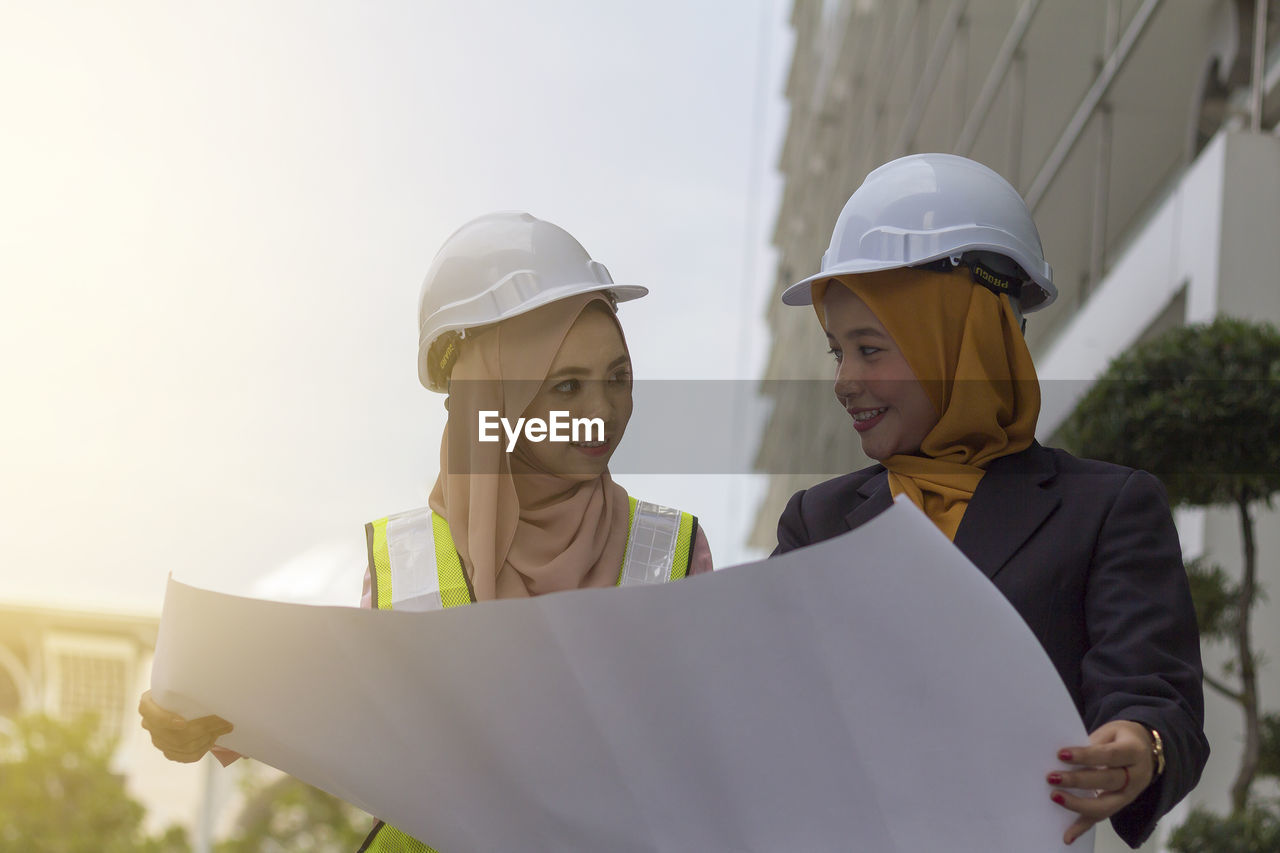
{"type": "Point", "coordinates": [1256, 829]}
{"type": "Point", "coordinates": [287, 814]}
{"type": "Point", "coordinates": [1198, 406]}
{"type": "Point", "coordinates": [58, 794]}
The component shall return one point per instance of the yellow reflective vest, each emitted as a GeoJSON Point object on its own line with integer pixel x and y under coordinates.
{"type": "Point", "coordinates": [414, 565]}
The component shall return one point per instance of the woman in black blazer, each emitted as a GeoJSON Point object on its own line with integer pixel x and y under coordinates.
{"type": "Point", "coordinates": [932, 263]}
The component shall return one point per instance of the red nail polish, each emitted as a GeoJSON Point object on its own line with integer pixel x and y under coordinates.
{"type": "Point", "coordinates": [1058, 798]}
{"type": "Point", "coordinates": [1064, 755]}
{"type": "Point", "coordinates": [1055, 778]}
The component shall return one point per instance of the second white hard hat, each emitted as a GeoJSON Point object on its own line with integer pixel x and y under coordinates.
{"type": "Point", "coordinates": [928, 208]}
{"type": "Point", "coordinates": [496, 267]}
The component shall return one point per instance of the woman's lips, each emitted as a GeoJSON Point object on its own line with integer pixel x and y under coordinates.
{"type": "Point", "coordinates": [594, 449]}
{"type": "Point", "coordinates": [865, 419]}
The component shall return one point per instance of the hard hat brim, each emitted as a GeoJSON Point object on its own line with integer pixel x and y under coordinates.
{"type": "Point", "coordinates": [621, 293]}
{"type": "Point", "coordinates": [801, 293]}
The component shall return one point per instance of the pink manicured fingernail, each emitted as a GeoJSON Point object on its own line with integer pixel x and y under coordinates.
{"type": "Point", "coordinates": [1064, 755]}
{"type": "Point", "coordinates": [1058, 798]}
{"type": "Point", "coordinates": [1055, 778]}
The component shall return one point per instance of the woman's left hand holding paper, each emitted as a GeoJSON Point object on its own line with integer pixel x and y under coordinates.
{"type": "Point", "coordinates": [1117, 764]}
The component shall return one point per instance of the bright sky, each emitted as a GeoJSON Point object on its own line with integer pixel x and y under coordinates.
{"type": "Point", "coordinates": [215, 218]}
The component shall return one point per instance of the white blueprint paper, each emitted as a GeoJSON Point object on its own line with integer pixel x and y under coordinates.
{"type": "Point", "coordinates": [870, 693]}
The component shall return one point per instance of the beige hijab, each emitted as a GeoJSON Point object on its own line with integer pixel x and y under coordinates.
{"type": "Point", "coordinates": [522, 531]}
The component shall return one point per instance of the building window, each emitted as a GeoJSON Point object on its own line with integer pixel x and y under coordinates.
{"type": "Point", "coordinates": [15, 685]}
{"type": "Point", "coordinates": [89, 674]}
{"type": "Point", "coordinates": [10, 698]}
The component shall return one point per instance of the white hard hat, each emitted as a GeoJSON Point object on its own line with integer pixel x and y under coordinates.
{"type": "Point", "coordinates": [495, 267]}
{"type": "Point", "coordinates": [930, 208]}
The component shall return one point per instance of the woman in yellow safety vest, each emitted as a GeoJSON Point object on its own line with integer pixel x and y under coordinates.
{"type": "Point", "coordinates": [518, 325]}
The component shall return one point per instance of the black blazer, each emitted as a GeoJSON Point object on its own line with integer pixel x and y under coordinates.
{"type": "Point", "coordinates": [1088, 554]}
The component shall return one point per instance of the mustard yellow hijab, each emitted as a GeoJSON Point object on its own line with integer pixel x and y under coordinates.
{"type": "Point", "coordinates": [963, 344]}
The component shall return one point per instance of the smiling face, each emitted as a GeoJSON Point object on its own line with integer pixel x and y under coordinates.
{"type": "Point", "coordinates": [890, 409]}
{"type": "Point", "coordinates": [590, 377]}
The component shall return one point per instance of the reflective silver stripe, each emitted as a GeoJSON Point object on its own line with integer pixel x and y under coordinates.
{"type": "Point", "coordinates": [652, 545]}
{"type": "Point", "coordinates": [415, 578]}
{"type": "Point", "coordinates": [426, 601]}
{"type": "Point", "coordinates": [411, 547]}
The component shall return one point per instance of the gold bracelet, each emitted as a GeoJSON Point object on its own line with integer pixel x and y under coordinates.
{"type": "Point", "coordinates": [1157, 753]}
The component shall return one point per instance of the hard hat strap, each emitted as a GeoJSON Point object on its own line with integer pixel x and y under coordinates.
{"type": "Point", "coordinates": [998, 283]}
{"type": "Point", "coordinates": [442, 355]}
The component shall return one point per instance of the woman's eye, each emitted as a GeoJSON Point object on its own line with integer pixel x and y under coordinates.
{"type": "Point", "coordinates": [868, 350]}
{"type": "Point", "coordinates": [835, 353]}
{"type": "Point", "coordinates": [566, 387]}
{"type": "Point", "coordinates": [622, 377]}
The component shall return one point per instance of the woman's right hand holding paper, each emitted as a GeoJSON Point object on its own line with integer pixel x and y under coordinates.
{"type": "Point", "coordinates": [178, 738]}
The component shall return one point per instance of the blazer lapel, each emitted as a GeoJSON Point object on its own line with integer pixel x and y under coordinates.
{"type": "Point", "coordinates": [876, 498]}
{"type": "Point", "coordinates": [1011, 502]}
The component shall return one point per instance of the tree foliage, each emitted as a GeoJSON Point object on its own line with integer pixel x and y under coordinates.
{"type": "Point", "coordinates": [58, 794]}
{"type": "Point", "coordinates": [1269, 765]}
{"type": "Point", "coordinates": [1215, 596]}
{"type": "Point", "coordinates": [286, 815]}
{"type": "Point", "coordinates": [1198, 406]}
{"type": "Point", "coordinates": [1256, 829]}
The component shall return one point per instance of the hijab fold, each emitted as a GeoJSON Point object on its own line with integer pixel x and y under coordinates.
{"type": "Point", "coordinates": [963, 344]}
{"type": "Point", "coordinates": [521, 530]}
